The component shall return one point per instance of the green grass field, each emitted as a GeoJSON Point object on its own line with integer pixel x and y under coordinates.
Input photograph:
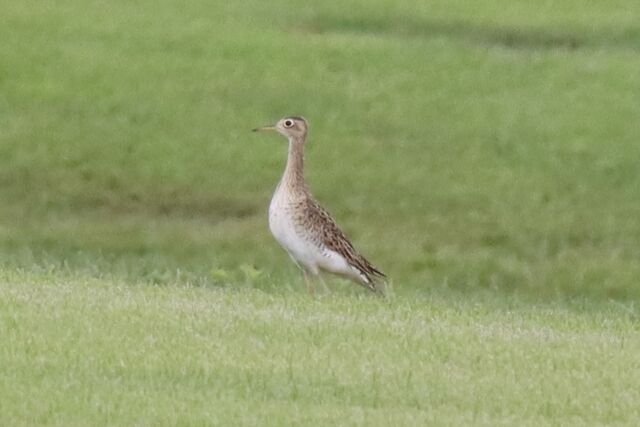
{"type": "Point", "coordinates": [483, 154]}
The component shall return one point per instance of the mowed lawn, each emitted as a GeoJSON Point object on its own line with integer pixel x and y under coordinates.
{"type": "Point", "coordinates": [83, 351]}
{"type": "Point", "coordinates": [483, 154]}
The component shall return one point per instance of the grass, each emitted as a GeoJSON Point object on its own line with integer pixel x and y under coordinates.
{"type": "Point", "coordinates": [80, 350]}
{"type": "Point", "coordinates": [484, 154]}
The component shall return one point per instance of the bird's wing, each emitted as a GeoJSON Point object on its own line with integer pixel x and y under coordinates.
{"type": "Point", "coordinates": [327, 231]}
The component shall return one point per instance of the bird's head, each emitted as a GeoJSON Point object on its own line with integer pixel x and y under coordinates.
{"type": "Point", "coordinates": [293, 127]}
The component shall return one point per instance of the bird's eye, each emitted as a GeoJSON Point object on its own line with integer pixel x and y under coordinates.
{"type": "Point", "coordinates": [288, 123]}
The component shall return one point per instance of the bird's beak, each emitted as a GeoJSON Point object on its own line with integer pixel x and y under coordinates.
{"type": "Point", "coordinates": [263, 128]}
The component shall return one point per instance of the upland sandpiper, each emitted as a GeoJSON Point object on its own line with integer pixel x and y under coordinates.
{"type": "Point", "coordinates": [304, 228]}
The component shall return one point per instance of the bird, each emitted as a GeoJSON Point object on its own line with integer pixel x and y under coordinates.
{"type": "Point", "coordinates": [305, 229]}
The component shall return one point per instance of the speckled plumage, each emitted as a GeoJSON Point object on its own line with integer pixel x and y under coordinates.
{"type": "Point", "coordinates": [304, 228]}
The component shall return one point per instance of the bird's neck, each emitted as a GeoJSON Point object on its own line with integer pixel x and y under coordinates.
{"type": "Point", "coordinates": [293, 177]}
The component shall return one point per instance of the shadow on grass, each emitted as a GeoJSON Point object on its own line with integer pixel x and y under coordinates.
{"type": "Point", "coordinates": [627, 38]}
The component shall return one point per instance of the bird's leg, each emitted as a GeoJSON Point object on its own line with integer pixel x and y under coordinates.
{"type": "Point", "coordinates": [324, 284]}
{"type": "Point", "coordinates": [309, 281]}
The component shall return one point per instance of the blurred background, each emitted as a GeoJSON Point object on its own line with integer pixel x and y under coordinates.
{"type": "Point", "coordinates": [462, 145]}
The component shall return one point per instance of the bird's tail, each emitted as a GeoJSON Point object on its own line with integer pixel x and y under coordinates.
{"type": "Point", "coordinates": [378, 283]}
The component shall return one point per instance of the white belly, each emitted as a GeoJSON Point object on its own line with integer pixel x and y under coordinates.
{"type": "Point", "coordinates": [285, 232]}
{"type": "Point", "coordinates": [304, 252]}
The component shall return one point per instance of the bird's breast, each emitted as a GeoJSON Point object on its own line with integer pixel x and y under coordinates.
{"type": "Point", "coordinates": [280, 218]}
{"type": "Point", "coordinates": [285, 223]}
